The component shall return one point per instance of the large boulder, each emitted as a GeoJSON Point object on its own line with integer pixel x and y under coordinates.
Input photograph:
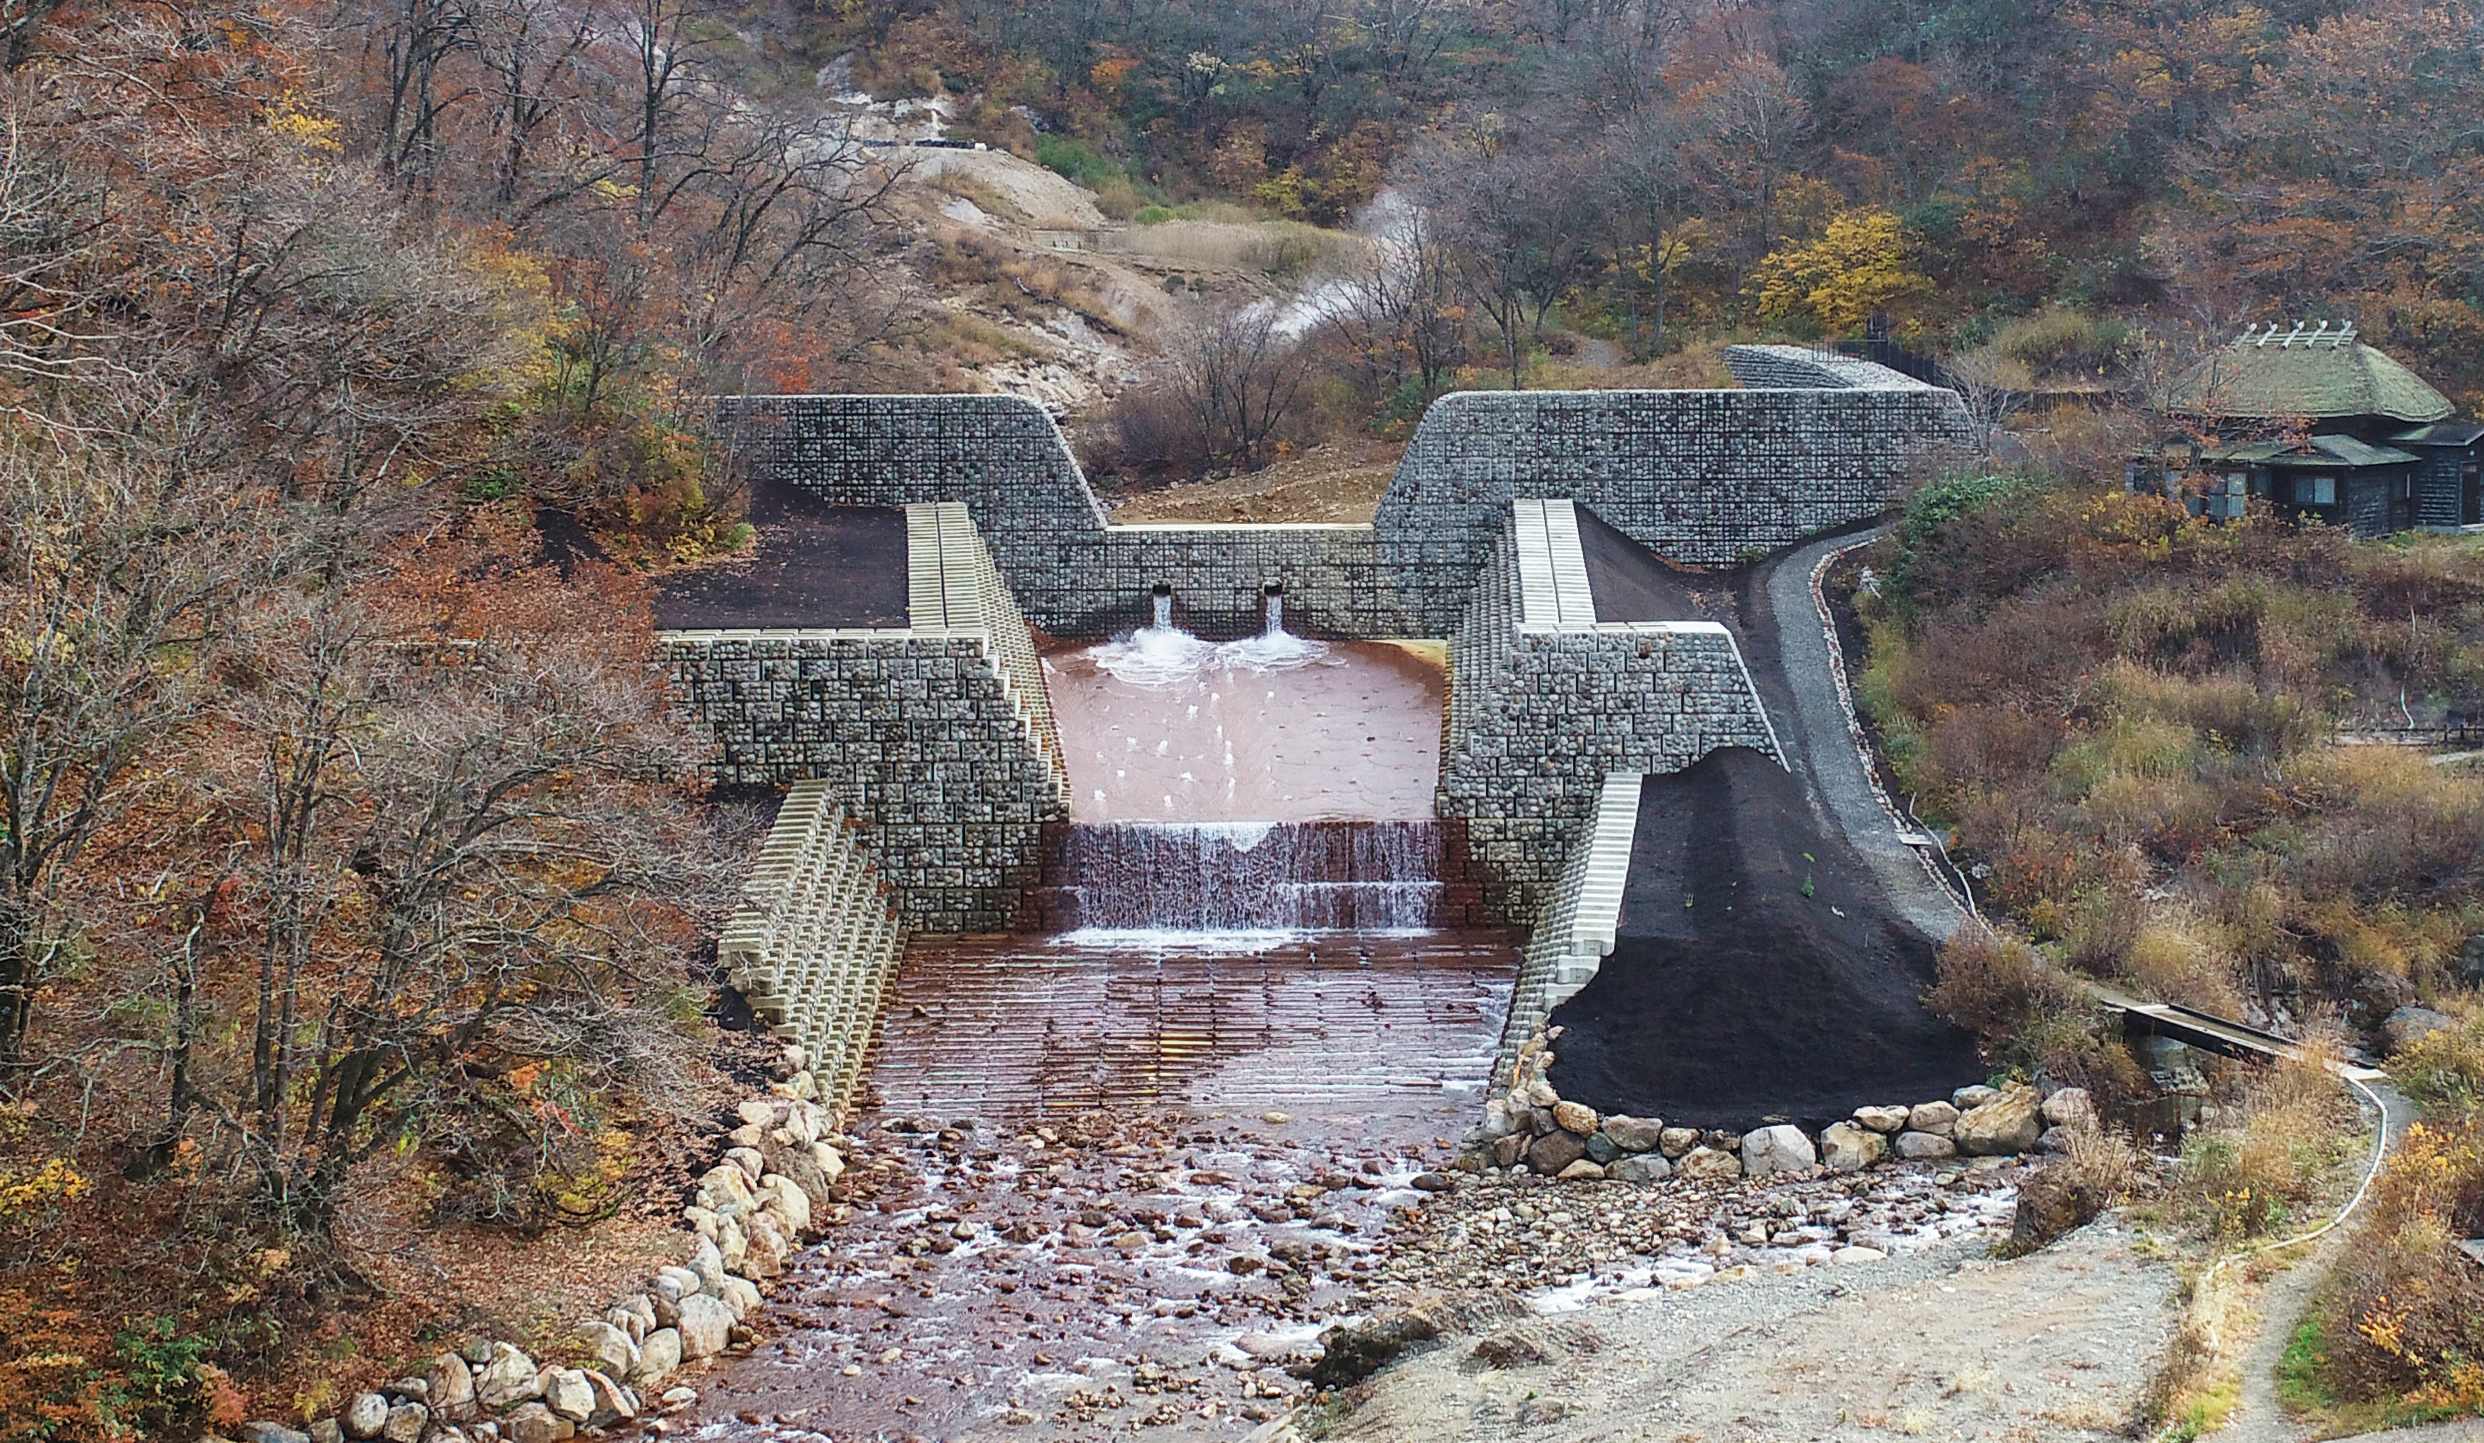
{"type": "Point", "coordinates": [1846, 1147]}
{"type": "Point", "coordinates": [1636, 1134]}
{"type": "Point", "coordinates": [658, 1355]}
{"type": "Point", "coordinates": [406, 1423]}
{"type": "Point", "coordinates": [1881, 1119]}
{"type": "Point", "coordinates": [813, 1167]}
{"type": "Point", "coordinates": [1782, 1148]}
{"type": "Point", "coordinates": [1675, 1141]}
{"type": "Point", "coordinates": [610, 1347]}
{"type": "Point", "coordinates": [613, 1403]}
{"type": "Point", "coordinates": [706, 1324]}
{"type": "Point", "coordinates": [449, 1388]}
{"type": "Point", "coordinates": [1556, 1150]}
{"type": "Point", "coordinates": [365, 1416]}
{"type": "Point", "coordinates": [2405, 1026]}
{"type": "Point", "coordinates": [1575, 1117]}
{"type": "Point", "coordinates": [1639, 1167]}
{"type": "Point", "coordinates": [508, 1378]}
{"type": "Point", "coordinates": [534, 1423]}
{"type": "Point", "coordinates": [2070, 1107]}
{"type": "Point", "coordinates": [1709, 1164]}
{"type": "Point", "coordinates": [1937, 1118]}
{"type": "Point", "coordinates": [1924, 1146]}
{"type": "Point", "coordinates": [2008, 1123]}
{"type": "Point", "coordinates": [568, 1394]}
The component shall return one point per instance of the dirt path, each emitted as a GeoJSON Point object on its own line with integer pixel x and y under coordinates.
{"type": "Point", "coordinates": [2056, 1346]}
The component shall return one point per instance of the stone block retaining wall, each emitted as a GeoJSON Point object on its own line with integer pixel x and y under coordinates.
{"type": "Point", "coordinates": [1575, 933]}
{"type": "Point", "coordinates": [1705, 477]}
{"type": "Point", "coordinates": [816, 939]}
{"type": "Point", "coordinates": [1543, 708]}
{"type": "Point", "coordinates": [938, 736]}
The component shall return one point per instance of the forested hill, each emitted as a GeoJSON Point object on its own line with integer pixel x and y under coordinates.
{"type": "Point", "coordinates": [1952, 163]}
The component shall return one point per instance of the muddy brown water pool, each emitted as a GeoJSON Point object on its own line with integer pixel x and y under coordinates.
{"type": "Point", "coordinates": [1354, 732]}
{"type": "Point", "coordinates": [1118, 1187]}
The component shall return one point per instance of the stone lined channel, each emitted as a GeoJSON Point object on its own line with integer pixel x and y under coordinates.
{"type": "Point", "coordinates": [1104, 1185]}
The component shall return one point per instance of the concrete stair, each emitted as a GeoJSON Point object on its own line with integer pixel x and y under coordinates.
{"type": "Point", "coordinates": [815, 941]}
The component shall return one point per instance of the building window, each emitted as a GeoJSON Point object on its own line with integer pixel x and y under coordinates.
{"type": "Point", "coordinates": [2315, 490]}
{"type": "Point", "coordinates": [2227, 502]}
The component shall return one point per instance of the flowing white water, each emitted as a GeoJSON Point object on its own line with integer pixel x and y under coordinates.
{"type": "Point", "coordinates": [1163, 654]}
{"type": "Point", "coordinates": [1257, 879]}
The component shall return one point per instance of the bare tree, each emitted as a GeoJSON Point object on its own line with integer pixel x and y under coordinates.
{"type": "Point", "coordinates": [117, 582]}
{"type": "Point", "coordinates": [466, 851]}
{"type": "Point", "coordinates": [1237, 377]}
{"type": "Point", "coordinates": [1992, 387]}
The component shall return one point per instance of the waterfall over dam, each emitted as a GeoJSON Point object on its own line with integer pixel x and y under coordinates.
{"type": "Point", "coordinates": [1388, 876]}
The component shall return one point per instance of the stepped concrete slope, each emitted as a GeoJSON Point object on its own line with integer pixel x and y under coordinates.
{"type": "Point", "coordinates": [815, 939]}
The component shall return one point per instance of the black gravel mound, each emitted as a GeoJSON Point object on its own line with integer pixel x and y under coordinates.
{"type": "Point", "coordinates": [1757, 972]}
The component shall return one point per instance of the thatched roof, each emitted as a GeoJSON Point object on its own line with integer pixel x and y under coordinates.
{"type": "Point", "coordinates": [2320, 374]}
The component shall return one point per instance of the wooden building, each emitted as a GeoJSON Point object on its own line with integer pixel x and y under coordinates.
{"type": "Point", "coordinates": [2315, 424]}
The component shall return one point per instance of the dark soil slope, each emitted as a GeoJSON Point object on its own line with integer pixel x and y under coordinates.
{"type": "Point", "coordinates": [1757, 972]}
{"type": "Point", "coordinates": [816, 565]}
{"type": "Point", "coordinates": [1631, 583]}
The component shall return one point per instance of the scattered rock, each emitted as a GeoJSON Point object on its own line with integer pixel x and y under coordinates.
{"type": "Point", "coordinates": [1574, 1117]}
{"type": "Point", "coordinates": [1881, 1119]}
{"type": "Point", "coordinates": [327, 1430]}
{"type": "Point", "coordinates": [1582, 1171]}
{"type": "Point", "coordinates": [272, 1433]}
{"type": "Point", "coordinates": [1782, 1148]}
{"type": "Point", "coordinates": [1709, 1164]}
{"type": "Point", "coordinates": [1936, 1118]}
{"type": "Point", "coordinates": [1846, 1147]}
{"type": "Point", "coordinates": [1858, 1254]}
{"type": "Point", "coordinates": [1676, 1141]}
{"type": "Point", "coordinates": [1429, 1182]}
{"type": "Point", "coordinates": [2005, 1123]}
{"type": "Point", "coordinates": [365, 1415]}
{"type": "Point", "coordinates": [1967, 1099]}
{"type": "Point", "coordinates": [1917, 1146]}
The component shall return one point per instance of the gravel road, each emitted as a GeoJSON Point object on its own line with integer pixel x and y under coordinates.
{"type": "Point", "coordinates": [1941, 1343]}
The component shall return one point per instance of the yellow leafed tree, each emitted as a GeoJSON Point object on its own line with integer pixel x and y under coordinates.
{"type": "Point", "coordinates": [1862, 261]}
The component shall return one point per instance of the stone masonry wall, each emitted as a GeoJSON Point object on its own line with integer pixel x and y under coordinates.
{"type": "Point", "coordinates": [931, 736]}
{"type": "Point", "coordinates": [1540, 715]}
{"type": "Point", "coordinates": [1705, 477]}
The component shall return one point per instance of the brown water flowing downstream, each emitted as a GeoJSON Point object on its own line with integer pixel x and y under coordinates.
{"type": "Point", "coordinates": [1115, 1171]}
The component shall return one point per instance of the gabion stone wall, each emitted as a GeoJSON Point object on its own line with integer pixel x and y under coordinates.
{"type": "Point", "coordinates": [1704, 477]}
{"type": "Point", "coordinates": [1540, 715]}
{"type": "Point", "coordinates": [937, 736]}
